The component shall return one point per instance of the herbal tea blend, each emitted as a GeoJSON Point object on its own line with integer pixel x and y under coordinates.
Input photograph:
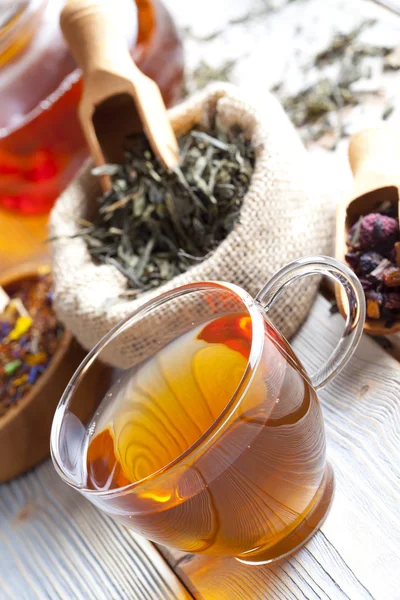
{"type": "Point", "coordinates": [154, 224]}
{"type": "Point", "coordinates": [29, 336]}
{"type": "Point", "coordinates": [374, 255]}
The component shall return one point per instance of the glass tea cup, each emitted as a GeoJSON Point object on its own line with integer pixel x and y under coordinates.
{"type": "Point", "coordinates": [210, 437]}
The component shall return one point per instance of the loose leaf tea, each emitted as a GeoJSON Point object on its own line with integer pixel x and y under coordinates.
{"type": "Point", "coordinates": [29, 336]}
{"type": "Point", "coordinates": [374, 255]}
{"type": "Point", "coordinates": [154, 224]}
{"type": "Point", "coordinates": [342, 76]}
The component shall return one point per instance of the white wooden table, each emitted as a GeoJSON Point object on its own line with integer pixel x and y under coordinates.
{"type": "Point", "coordinates": [54, 544]}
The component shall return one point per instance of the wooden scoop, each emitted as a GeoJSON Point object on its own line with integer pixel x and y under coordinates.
{"type": "Point", "coordinates": [374, 156]}
{"type": "Point", "coordinates": [118, 99]}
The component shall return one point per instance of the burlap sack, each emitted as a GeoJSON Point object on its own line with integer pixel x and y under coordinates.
{"type": "Point", "coordinates": [282, 218]}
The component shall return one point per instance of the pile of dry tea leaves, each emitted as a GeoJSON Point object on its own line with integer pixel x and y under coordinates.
{"type": "Point", "coordinates": [153, 224]}
{"type": "Point", "coordinates": [374, 254]}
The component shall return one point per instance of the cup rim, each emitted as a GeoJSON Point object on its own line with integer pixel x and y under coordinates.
{"type": "Point", "coordinates": [216, 427]}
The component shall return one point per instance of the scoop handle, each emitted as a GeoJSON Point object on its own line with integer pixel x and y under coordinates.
{"type": "Point", "coordinates": [109, 74]}
{"type": "Point", "coordinates": [94, 39]}
{"type": "Point", "coordinates": [374, 156]}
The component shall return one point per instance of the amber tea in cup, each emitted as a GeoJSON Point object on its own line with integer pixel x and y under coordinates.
{"type": "Point", "coordinates": [211, 439]}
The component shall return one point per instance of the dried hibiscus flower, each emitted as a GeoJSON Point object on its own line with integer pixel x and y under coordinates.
{"type": "Point", "coordinates": [378, 231]}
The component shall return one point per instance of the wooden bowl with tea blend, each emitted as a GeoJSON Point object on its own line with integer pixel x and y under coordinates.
{"type": "Point", "coordinates": [37, 359]}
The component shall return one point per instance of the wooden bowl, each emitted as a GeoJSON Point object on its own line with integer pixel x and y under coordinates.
{"type": "Point", "coordinates": [374, 156]}
{"type": "Point", "coordinates": [25, 428]}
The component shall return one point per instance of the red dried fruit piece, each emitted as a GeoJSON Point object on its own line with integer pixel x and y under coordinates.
{"type": "Point", "coordinates": [366, 283]}
{"type": "Point", "coordinates": [391, 277]}
{"type": "Point", "coordinates": [391, 301]}
{"type": "Point", "coordinates": [353, 258]}
{"type": "Point", "coordinates": [378, 231]}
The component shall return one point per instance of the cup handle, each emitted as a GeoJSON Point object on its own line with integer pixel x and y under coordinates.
{"type": "Point", "coordinates": [323, 265]}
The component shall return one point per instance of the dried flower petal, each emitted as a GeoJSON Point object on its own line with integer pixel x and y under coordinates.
{"type": "Point", "coordinates": [21, 380]}
{"type": "Point", "coordinates": [377, 273]}
{"type": "Point", "coordinates": [354, 234]}
{"type": "Point", "coordinates": [36, 359]}
{"type": "Point", "coordinates": [21, 326]}
{"type": "Point", "coordinates": [353, 259]}
{"type": "Point", "coordinates": [369, 261]}
{"type": "Point", "coordinates": [374, 295]}
{"type": "Point", "coordinates": [12, 366]}
{"type": "Point", "coordinates": [391, 301]}
{"type": "Point", "coordinates": [33, 373]}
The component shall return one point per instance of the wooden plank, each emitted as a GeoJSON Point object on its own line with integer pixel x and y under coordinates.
{"type": "Point", "coordinates": [55, 544]}
{"type": "Point", "coordinates": [356, 555]}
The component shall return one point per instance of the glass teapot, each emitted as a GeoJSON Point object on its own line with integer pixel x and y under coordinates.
{"type": "Point", "coordinates": [210, 438]}
{"type": "Point", "coordinates": [41, 143]}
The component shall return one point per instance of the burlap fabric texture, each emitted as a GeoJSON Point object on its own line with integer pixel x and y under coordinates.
{"type": "Point", "coordinates": [282, 218]}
